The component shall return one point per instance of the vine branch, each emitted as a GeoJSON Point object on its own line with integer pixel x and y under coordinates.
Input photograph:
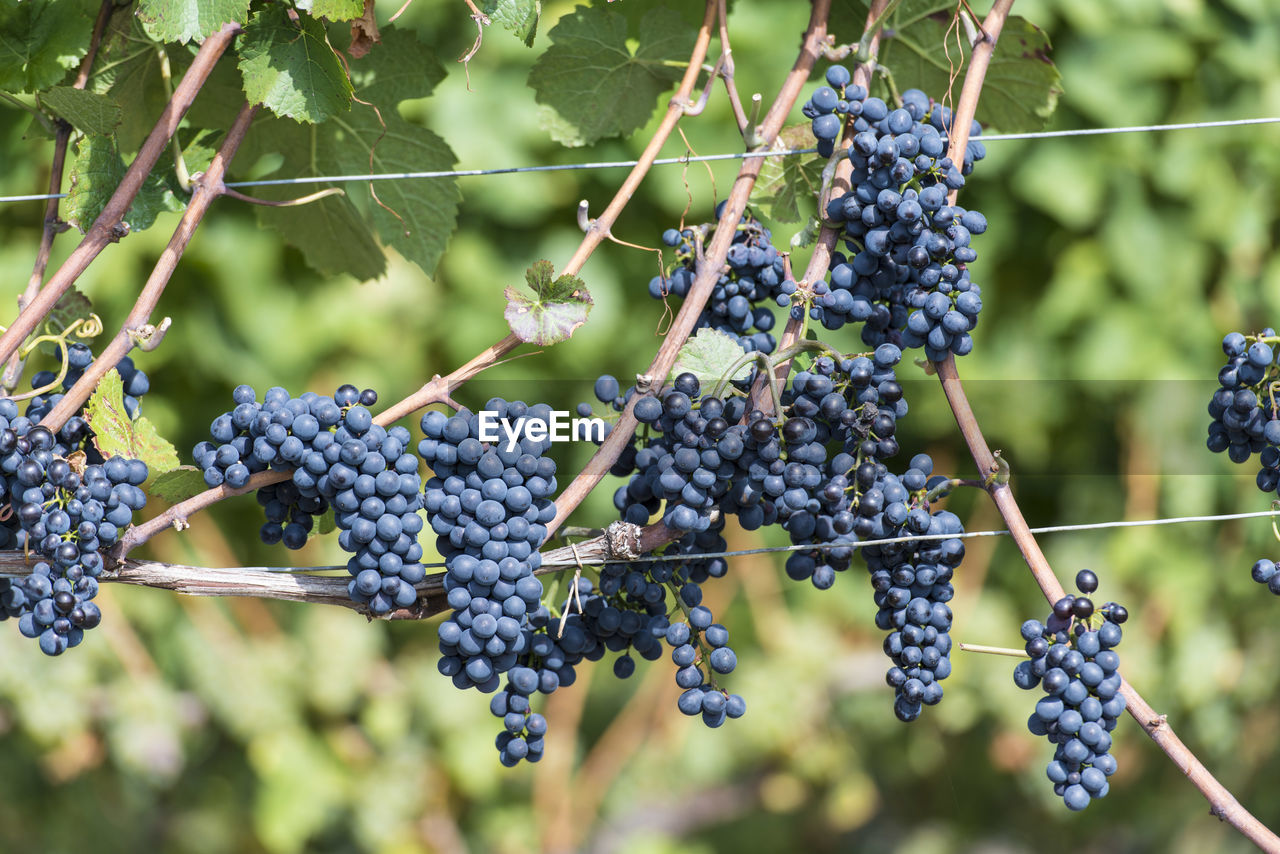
{"type": "Point", "coordinates": [1222, 803]}
{"type": "Point", "coordinates": [621, 541]}
{"type": "Point", "coordinates": [104, 230]}
{"type": "Point", "coordinates": [205, 189]}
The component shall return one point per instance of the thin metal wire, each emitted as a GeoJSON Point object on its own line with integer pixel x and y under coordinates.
{"type": "Point", "coordinates": [672, 161]}
{"type": "Point", "coordinates": [860, 544]}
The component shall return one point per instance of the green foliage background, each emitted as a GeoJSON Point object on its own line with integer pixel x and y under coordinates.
{"type": "Point", "coordinates": [1112, 268]}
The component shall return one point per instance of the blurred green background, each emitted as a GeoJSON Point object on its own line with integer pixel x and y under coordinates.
{"type": "Point", "coordinates": [1112, 269]}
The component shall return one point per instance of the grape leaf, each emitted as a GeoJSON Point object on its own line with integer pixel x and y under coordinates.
{"type": "Point", "coordinates": [419, 215]}
{"type": "Point", "coordinates": [184, 20]}
{"type": "Point", "coordinates": [95, 175]}
{"type": "Point", "coordinates": [790, 181]}
{"type": "Point", "coordinates": [1022, 84]}
{"type": "Point", "coordinates": [556, 309]}
{"type": "Point", "coordinates": [70, 307]}
{"type": "Point", "coordinates": [330, 233]}
{"type": "Point", "coordinates": [290, 67]}
{"type": "Point", "coordinates": [591, 77]}
{"type": "Point", "coordinates": [710, 355]}
{"type": "Point", "coordinates": [86, 111]}
{"type": "Point", "coordinates": [177, 484]}
{"type": "Point", "coordinates": [401, 68]}
{"type": "Point", "coordinates": [334, 10]}
{"type": "Point", "coordinates": [128, 69]}
{"type": "Point", "coordinates": [518, 16]}
{"type": "Point", "coordinates": [40, 40]}
{"type": "Point", "coordinates": [414, 216]}
{"type": "Point", "coordinates": [808, 235]}
{"type": "Point", "coordinates": [115, 434]}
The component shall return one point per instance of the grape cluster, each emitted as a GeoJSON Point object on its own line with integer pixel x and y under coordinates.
{"type": "Point", "coordinates": [339, 458]}
{"type": "Point", "coordinates": [1246, 418]}
{"type": "Point", "coordinates": [488, 504]}
{"type": "Point", "coordinates": [755, 276]}
{"type": "Point", "coordinates": [817, 471]}
{"type": "Point", "coordinates": [1073, 659]}
{"type": "Point", "coordinates": [911, 580]}
{"type": "Point", "coordinates": [66, 512]}
{"type": "Point", "coordinates": [907, 281]}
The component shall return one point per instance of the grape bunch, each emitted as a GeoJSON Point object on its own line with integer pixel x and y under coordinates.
{"type": "Point", "coordinates": [488, 504]}
{"type": "Point", "coordinates": [818, 471]}
{"type": "Point", "coordinates": [911, 580]}
{"type": "Point", "coordinates": [339, 459]}
{"type": "Point", "coordinates": [755, 276]}
{"type": "Point", "coordinates": [1073, 659]}
{"type": "Point", "coordinates": [1246, 418]}
{"type": "Point", "coordinates": [907, 280]}
{"type": "Point", "coordinates": [67, 512]}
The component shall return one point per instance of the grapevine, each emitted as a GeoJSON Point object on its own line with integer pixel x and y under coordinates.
{"type": "Point", "coordinates": [734, 425]}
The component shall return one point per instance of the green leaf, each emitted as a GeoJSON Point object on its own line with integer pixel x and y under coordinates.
{"type": "Point", "coordinates": [96, 173]}
{"type": "Point", "coordinates": [402, 67]}
{"type": "Point", "coordinates": [1022, 84]}
{"type": "Point", "coordinates": [86, 111]}
{"type": "Point", "coordinates": [556, 309]}
{"type": "Point", "coordinates": [594, 80]}
{"type": "Point", "coordinates": [414, 216]}
{"type": "Point", "coordinates": [710, 355]}
{"type": "Point", "coordinates": [290, 67]}
{"type": "Point", "coordinates": [40, 40]}
{"type": "Point", "coordinates": [177, 484]}
{"type": "Point", "coordinates": [334, 10]}
{"type": "Point", "coordinates": [128, 69]}
{"type": "Point", "coordinates": [789, 182]}
{"type": "Point", "coordinates": [330, 233]}
{"type": "Point", "coordinates": [184, 20]}
{"type": "Point", "coordinates": [70, 307]}
{"type": "Point", "coordinates": [518, 16]}
{"type": "Point", "coordinates": [116, 435]}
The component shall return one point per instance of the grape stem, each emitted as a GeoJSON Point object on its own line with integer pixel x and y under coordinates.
{"type": "Point", "coordinates": [727, 70]}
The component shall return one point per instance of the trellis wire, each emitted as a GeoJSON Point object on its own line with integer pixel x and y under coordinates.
{"type": "Point", "coordinates": [672, 161]}
{"type": "Point", "coordinates": [860, 544]}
